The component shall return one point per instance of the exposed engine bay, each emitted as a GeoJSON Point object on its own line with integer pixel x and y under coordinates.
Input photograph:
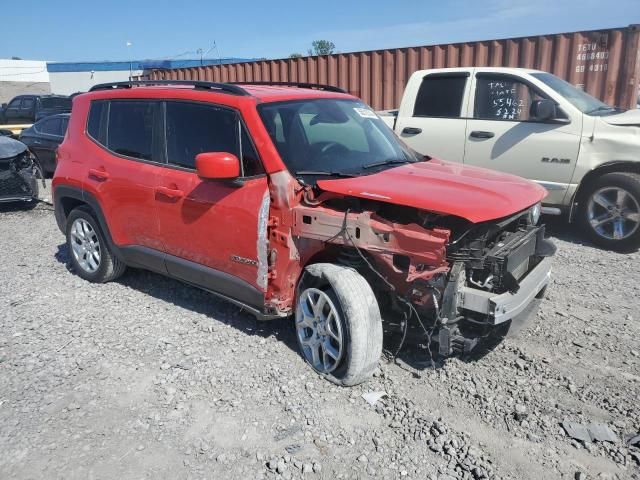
{"type": "Point", "coordinates": [19, 171]}
{"type": "Point", "coordinates": [463, 280]}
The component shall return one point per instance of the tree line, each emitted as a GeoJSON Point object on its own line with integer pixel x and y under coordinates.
{"type": "Point", "coordinates": [318, 47]}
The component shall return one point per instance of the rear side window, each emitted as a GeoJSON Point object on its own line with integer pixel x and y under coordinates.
{"type": "Point", "coordinates": [27, 103]}
{"type": "Point", "coordinates": [440, 96]}
{"type": "Point", "coordinates": [130, 128]}
{"type": "Point", "coordinates": [193, 128]}
{"type": "Point", "coordinates": [50, 126]}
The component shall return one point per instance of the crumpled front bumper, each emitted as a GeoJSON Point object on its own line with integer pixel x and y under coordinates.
{"type": "Point", "coordinates": [500, 308]}
{"type": "Point", "coordinates": [18, 185]}
{"type": "Point", "coordinates": [18, 179]}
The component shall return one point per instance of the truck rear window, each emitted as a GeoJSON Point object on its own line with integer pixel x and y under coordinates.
{"type": "Point", "coordinates": [59, 103]}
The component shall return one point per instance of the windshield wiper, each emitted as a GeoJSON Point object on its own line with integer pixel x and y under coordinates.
{"type": "Point", "coordinates": [325, 174]}
{"type": "Point", "coordinates": [386, 162]}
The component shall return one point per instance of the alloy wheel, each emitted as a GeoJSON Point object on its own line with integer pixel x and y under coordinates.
{"type": "Point", "coordinates": [319, 330]}
{"type": "Point", "coordinates": [613, 213]}
{"type": "Point", "coordinates": [85, 245]}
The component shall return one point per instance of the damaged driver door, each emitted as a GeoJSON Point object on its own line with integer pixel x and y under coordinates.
{"type": "Point", "coordinates": [210, 228]}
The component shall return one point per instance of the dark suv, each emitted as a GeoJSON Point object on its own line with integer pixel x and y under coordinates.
{"type": "Point", "coordinates": [298, 201]}
{"type": "Point", "coordinates": [31, 108]}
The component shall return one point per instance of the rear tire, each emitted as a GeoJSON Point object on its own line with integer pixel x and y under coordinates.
{"type": "Point", "coordinates": [89, 253]}
{"type": "Point", "coordinates": [338, 316]}
{"type": "Point", "coordinates": [610, 211]}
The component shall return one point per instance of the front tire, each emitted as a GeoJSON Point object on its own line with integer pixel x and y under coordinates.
{"type": "Point", "coordinates": [338, 323]}
{"type": "Point", "coordinates": [610, 212]}
{"type": "Point", "coordinates": [89, 253]}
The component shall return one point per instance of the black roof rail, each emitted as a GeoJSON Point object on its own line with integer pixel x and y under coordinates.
{"type": "Point", "coordinates": [316, 86]}
{"type": "Point", "coordinates": [223, 87]}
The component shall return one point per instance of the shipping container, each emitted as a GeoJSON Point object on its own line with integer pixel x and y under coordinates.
{"type": "Point", "coordinates": [605, 63]}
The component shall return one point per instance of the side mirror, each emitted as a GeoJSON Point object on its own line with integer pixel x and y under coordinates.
{"type": "Point", "coordinates": [4, 105]}
{"type": "Point", "coordinates": [217, 165]}
{"type": "Point", "coordinates": [542, 110]}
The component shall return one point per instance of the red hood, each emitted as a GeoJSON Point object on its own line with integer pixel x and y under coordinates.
{"type": "Point", "coordinates": [476, 194]}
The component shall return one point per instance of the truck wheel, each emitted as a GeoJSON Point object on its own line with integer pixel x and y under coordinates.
{"type": "Point", "coordinates": [89, 252]}
{"type": "Point", "coordinates": [338, 323]}
{"type": "Point", "coordinates": [610, 214]}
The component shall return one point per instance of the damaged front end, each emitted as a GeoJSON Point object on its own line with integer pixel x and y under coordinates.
{"type": "Point", "coordinates": [19, 172]}
{"type": "Point", "coordinates": [499, 273]}
{"type": "Point", "coordinates": [464, 281]}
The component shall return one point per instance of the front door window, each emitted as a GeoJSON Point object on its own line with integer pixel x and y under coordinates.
{"type": "Point", "coordinates": [503, 99]}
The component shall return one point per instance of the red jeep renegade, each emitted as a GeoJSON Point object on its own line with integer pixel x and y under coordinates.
{"type": "Point", "coordinates": [297, 200]}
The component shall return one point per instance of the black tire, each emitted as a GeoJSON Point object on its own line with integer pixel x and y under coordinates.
{"type": "Point", "coordinates": [110, 267]}
{"type": "Point", "coordinates": [630, 183]}
{"type": "Point", "coordinates": [360, 318]}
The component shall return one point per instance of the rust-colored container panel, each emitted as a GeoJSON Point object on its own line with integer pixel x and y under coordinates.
{"type": "Point", "coordinates": [605, 63]}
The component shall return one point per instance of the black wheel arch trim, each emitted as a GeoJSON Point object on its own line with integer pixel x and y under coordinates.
{"type": "Point", "coordinates": [65, 191]}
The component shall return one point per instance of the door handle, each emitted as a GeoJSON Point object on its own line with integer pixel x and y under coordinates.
{"type": "Point", "coordinates": [481, 134]}
{"type": "Point", "coordinates": [99, 174]}
{"type": "Point", "coordinates": [37, 142]}
{"type": "Point", "coordinates": [411, 130]}
{"type": "Point", "coordinates": [170, 192]}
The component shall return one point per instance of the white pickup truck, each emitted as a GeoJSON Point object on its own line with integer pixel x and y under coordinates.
{"type": "Point", "coordinates": [535, 125]}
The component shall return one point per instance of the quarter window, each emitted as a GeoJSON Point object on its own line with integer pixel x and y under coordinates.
{"type": "Point", "coordinates": [250, 160]}
{"type": "Point", "coordinates": [130, 130]}
{"type": "Point", "coordinates": [95, 123]}
{"type": "Point", "coordinates": [502, 98]}
{"type": "Point", "coordinates": [440, 96]}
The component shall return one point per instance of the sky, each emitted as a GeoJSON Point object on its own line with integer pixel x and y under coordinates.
{"type": "Point", "coordinates": [84, 30]}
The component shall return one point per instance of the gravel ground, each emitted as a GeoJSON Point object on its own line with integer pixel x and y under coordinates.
{"type": "Point", "coordinates": [149, 378]}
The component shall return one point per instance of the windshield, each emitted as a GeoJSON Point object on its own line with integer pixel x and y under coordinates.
{"type": "Point", "coordinates": [578, 98]}
{"type": "Point", "coordinates": [58, 103]}
{"type": "Point", "coordinates": [332, 137]}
